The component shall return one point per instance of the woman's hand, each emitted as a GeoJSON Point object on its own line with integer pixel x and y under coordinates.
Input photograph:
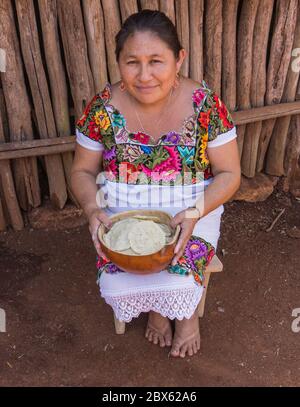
{"type": "Point", "coordinates": [95, 218]}
{"type": "Point", "coordinates": [187, 220]}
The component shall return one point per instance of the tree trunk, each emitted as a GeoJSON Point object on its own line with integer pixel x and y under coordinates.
{"type": "Point", "coordinates": [229, 53]}
{"type": "Point", "coordinates": [18, 109]}
{"type": "Point", "coordinates": [257, 85]}
{"type": "Point", "coordinates": [182, 22]}
{"type": "Point", "coordinates": [276, 151]}
{"type": "Point", "coordinates": [278, 64]}
{"type": "Point", "coordinates": [41, 97]}
{"type": "Point", "coordinates": [196, 39]}
{"type": "Point", "coordinates": [76, 56]}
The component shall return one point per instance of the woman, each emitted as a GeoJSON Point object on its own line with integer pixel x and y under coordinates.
{"type": "Point", "coordinates": [159, 133]}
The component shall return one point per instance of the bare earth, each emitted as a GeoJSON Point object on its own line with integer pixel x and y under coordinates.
{"type": "Point", "coordinates": [60, 332]}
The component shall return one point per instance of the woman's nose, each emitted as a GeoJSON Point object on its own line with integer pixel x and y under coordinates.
{"type": "Point", "coordinates": [145, 73]}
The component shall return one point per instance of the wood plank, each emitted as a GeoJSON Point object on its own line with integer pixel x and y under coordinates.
{"type": "Point", "coordinates": [127, 8]}
{"type": "Point", "coordinates": [18, 109]}
{"type": "Point", "coordinates": [168, 7]}
{"type": "Point", "coordinates": [196, 11]}
{"type": "Point", "coordinates": [278, 65]}
{"type": "Point", "coordinates": [277, 147]}
{"type": "Point", "coordinates": [258, 84]}
{"type": "Point", "coordinates": [41, 97]}
{"type": "Point", "coordinates": [94, 28]}
{"type": "Point", "coordinates": [76, 54]}
{"type": "Point", "coordinates": [112, 24]}
{"type": "Point", "coordinates": [229, 54]}
{"type": "Point", "coordinates": [182, 25]}
{"type": "Point", "coordinates": [57, 79]}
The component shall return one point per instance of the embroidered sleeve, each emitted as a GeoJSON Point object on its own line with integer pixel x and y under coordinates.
{"type": "Point", "coordinates": [93, 124]}
{"type": "Point", "coordinates": [220, 122]}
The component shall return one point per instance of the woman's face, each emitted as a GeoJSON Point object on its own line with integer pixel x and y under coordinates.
{"type": "Point", "coordinates": [148, 67]}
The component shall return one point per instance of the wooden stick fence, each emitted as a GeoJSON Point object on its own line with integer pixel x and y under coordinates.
{"type": "Point", "coordinates": [59, 53]}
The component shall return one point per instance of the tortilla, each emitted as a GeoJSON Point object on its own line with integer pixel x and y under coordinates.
{"type": "Point", "coordinates": [134, 236]}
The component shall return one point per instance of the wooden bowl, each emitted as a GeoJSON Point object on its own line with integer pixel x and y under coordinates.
{"type": "Point", "coordinates": [144, 264]}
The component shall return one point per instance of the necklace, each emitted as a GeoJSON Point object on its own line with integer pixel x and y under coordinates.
{"type": "Point", "coordinates": [161, 115]}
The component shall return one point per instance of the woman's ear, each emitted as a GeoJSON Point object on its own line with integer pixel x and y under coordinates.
{"type": "Point", "coordinates": [181, 58]}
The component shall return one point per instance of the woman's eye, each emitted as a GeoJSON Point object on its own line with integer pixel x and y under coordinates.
{"type": "Point", "coordinates": [155, 61]}
{"type": "Point", "coordinates": [131, 62]}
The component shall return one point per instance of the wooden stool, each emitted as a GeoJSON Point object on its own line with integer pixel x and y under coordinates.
{"type": "Point", "coordinates": [214, 266]}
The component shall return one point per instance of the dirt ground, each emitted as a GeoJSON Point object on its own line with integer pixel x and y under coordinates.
{"type": "Point", "coordinates": [60, 332]}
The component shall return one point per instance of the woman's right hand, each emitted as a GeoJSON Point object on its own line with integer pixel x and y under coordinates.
{"type": "Point", "coordinates": [95, 218]}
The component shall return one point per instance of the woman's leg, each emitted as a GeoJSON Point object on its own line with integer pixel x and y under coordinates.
{"type": "Point", "coordinates": [159, 330]}
{"type": "Point", "coordinates": [187, 337]}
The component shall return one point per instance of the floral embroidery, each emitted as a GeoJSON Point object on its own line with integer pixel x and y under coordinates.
{"type": "Point", "coordinates": [109, 154]}
{"type": "Point", "coordinates": [131, 152]}
{"type": "Point", "coordinates": [118, 120]}
{"type": "Point", "coordinates": [172, 137]}
{"type": "Point", "coordinates": [174, 154]}
{"type": "Point", "coordinates": [140, 137]}
{"type": "Point", "coordinates": [164, 169]}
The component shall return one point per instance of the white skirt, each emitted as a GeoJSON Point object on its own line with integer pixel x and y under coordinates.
{"type": "Point", "coordinates": [171, 295]}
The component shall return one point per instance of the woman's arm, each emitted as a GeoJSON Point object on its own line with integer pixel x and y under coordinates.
{"type": "Point", "coordinates": [225, 165]}
{"type": "Point", "coordinates": [86, 166]}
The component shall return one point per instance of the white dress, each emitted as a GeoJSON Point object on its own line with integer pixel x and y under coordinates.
{"type": "Point", "coordinates": [171, 295]}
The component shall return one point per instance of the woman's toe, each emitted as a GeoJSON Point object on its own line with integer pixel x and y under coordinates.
{"type": "Point", "coordinates": [155, 338]}
{"type": "Point", "coordinates": [183, 350]}
{"type": "Point", "coordinates": [191, 350]}
{"type": "Point", "coordinates": [162, 342]}
{"type": "Point", "coordinates": [175, 350]}
{"type": "Point", "coordinates": [195, 349]}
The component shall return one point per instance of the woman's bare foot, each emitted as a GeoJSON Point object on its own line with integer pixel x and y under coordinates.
{"type": "Point", "coordinates": [159, 330]}
{"type": "Point", "coordinates": [186, 337]}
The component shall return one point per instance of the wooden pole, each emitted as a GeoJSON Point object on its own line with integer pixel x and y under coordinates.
{"type": "Point", "coordinates": [292, 152]}
{"type": "Point", "coordinates": [168, 7]}
{"type": "Point", "coordinates": [18, 109]}
{"type": "Point", "coordinates": [57, 79]}
{"type": "Point", "coordinates": [279, 60]}
{"type": "Point", "coordinates": [182, 22]}
{"type": "Point", "coordinates": [94, 28]}
{"type": "Point", "coordinates": [229, 56]}
{"type": "Point", "coordinates": [276, 152]}
{"type": "Point", "coordinates": [244, 65]}
{"type": "Point", "coordinates": [149, 4]}
{"type": "Point", "coordinates": [9, 192]}
{"type": "Point", "coordinates": [196, 10]}
{"type": "Point", "coordinates": [257, 85]}
{"type": "Point", "coordinates": [41, 97]}
{"type": "Point", "coordinates": [127, 8]}
{"type": "Point", "coordinates": [112, 24]}
{"type": "Point", "coordinates": [213, 44]}
{"type": "Point", "coordinates": [76, 55]}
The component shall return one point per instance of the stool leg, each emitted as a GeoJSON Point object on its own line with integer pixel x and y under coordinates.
{"type": "Point", "coordinates": [201, 305]}
{"type": "Point", "coordinates": [119, 326]}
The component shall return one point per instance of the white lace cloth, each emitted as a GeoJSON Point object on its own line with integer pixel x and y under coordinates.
{"type": "Point", "coordinates": [179, 303]}
{"type": "Point", "coordinates": [171, 295]}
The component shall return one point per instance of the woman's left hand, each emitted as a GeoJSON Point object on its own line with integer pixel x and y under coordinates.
{"type": "Point", "coordinates": [187, 220]}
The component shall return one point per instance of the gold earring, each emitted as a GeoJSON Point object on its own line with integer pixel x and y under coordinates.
{"type": "Point", "coordinates": [122, 86]}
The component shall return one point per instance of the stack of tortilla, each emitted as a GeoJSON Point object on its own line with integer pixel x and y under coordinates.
{"type": "Point", "coordinates": [137, 237]}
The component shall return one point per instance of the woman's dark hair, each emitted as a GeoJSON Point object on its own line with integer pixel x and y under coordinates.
{"type": "Point", "coordinates": [149, 20]}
